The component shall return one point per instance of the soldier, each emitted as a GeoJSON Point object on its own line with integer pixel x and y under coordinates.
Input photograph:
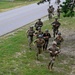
{"type": "Point", "coordinates": [49, 1]}
{"type": "Point", "coordinates": [50, 12]}
{"type": "Point", "coordinates": [38, 24]}
{"type": "Point", "coordinates": [46, 37]}
{"type": "Point", "coordinates": [58, 12]}
{"type": "Point", "coordinates": [30, 34]}
{"type": "Point", "coordinates": [52, 9]}
{"type": "Point", "coordinates": [59, 39]}
{"type": "Point", "coordinates": [39, 32]}
{"type": "Point", "coordinates": [54, 51]}
{"type": "Point", "coordinates": [58, 1]}
{"type": "Point", "coordinates": [39, 44]}
{"type": "Point", "coordinates": [55, 27]}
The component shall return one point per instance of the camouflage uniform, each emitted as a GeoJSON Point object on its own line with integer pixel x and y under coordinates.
{"type": "Point", "coordinates": [30, 34]}
{"type": "Point", "coordinates": [39, 32]}
{"type": "Point", "coordinates": [39, 44]}
{"type": "Point", "coordinates": [46, 37]}
{"type": "Point", "coordinates": [50, 12]}
{"type": "Point", "coordinates": [54, 51]}
{"type": "Point", "coordinates": [58, 1]}
{"type": "Point", "coordinates": [59, 40]}
{"type": "Point", "coordinates": [52, 9]}
{"type": "Point", "coordinates": [55, 27]}
{"type": "Point", "coordinates": [58, 12]}
{"type": "Point", "coordinates": [38, 24]}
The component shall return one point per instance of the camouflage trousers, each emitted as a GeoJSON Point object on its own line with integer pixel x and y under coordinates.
{"type": "Point", "coordinates": [58, 14]}
{"type": "Point", "coordinates": [55, 31]}
{"type": "Point", "coordinates": [30, 40]}
{"type": "Point", "coordinates": [39, 50]}
{"type": "Point", "coordinates": [45, 45]}
{"type": "Point", "coordinates": [50, 16]}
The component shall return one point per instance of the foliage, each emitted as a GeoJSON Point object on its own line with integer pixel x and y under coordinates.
{"type": "Point", "coordinates": [68, 8]}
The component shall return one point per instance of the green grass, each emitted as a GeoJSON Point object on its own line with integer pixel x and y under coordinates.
{"type": "Point", "coordinates": [17, 59]}
{"type": "Point", "coordinates": [6, 5]}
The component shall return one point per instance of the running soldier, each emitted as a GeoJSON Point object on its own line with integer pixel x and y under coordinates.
{"type": "Point", "coordinates": [55, 27]}
{"type": "Point", "coordinates": [59, 39]}
{"type": "Point", "coordinates": [50, 12]}
{"type": "Point", "coordinates": [52, 8]}
{"type": "Point", "coordinates": [46, 37]}
{"type": "Point", "coordinates": [58, 12]}
{"type": "Point", "coordinates": [38, 24]}
{"type": "Point", "coordinates": [39, 44]}
{"type": "Point", "coordinates": [57, 1]}
{"type": "Point", "coordinates": [30, 34]}
{"type": "Point", "coordinates": [49, 1]}
{"type": "Point", "coordinates": [54, 51]}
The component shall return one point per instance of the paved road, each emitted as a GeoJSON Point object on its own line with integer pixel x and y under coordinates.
{"type": "Point", "coordinates": [19, 17]}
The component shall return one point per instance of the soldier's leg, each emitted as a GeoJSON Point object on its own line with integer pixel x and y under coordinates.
{"type": "Point", "coordinates": [54, 32]}
{"type": "Point", "coordinates": [53, 60]}
{"type": "Point", "coordinates": [49, 16]}
{"type": "Point", "coordinates": [58, 14]}
{"type": "Point", "coordinates": [57, 30]}
{"type": "Point", "coordinates": [37, 28]}
{"type": "Point", "coordinates": [29, 41]}
{"type": "Point", "coordinates": [38, 52]}
{"type": "Point", "coordinates": [50, 63]}
{"type": "Point", "coordinates": [46, 45]}
{"type": "Point", "coordinates": [43, 47]}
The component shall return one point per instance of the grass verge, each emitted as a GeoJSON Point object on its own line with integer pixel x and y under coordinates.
{"type": "Point", "coordinates": [7, 5]}
{"type": "Point", "coordinates": [17, 59]}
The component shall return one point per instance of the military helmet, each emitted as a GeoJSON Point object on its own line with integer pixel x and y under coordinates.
{"type": "Point", "coordinates": [39, 28]}
{"type": "Point", "coordinates": [46, 30]}
{"type": "Point", "coordinates": [39, 19]}
{"type": "Point", "coordinates": [59, 33]}
{"type": "Point", "coordinates": [54, 43]}
{"type": "Point", "coordinates": [40, 36]}
{"type": "Point", "coordinates": [56, 18]}
{"type": "Point", "coordinates": [31, 26]}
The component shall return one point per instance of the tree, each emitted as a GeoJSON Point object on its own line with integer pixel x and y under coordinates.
{"type": "Point", "coordinates": [68, 8]}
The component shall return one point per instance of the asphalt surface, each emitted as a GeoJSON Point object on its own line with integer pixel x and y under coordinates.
{"type": "Point", "coordinates": [19, 17]}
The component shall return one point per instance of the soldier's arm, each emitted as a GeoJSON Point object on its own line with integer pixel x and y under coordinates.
{"type": "Point", "coordinates": [33, 33]}
{"type": "Point", "coordinates": [34, 42]}
{"type": "Point", "coordinates": [49, 50]}
{"type": "Point", "coordinates": [49, 35]}
{"type": "Point", "coordinates": [53, 23]}
{"type": "Point", "coordinates": [62, 40]}
{"type": "Point", "coordinates": [59, 23]}
{"type": "Point", "coordinates": [58, 50]}
{"type": "Point", "coordinates": [43, 42]}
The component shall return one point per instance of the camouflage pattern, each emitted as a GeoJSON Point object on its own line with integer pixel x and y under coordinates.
{"type": "Point", "coordinates": [55, 27]}
{"type": "Point", "coordinates": [38, 24]}
{"type": "Point", "coordinates": [30, 34]}
{"type": "Point", "coordinates": [39, 44]}
{"type": "Point", "coordinates": [59, 40]}
{"type": "Point", "coordinates": [54, 51]}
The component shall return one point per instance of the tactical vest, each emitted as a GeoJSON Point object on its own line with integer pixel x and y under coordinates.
{"type": "Point", "coordinates": [30, 32]}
